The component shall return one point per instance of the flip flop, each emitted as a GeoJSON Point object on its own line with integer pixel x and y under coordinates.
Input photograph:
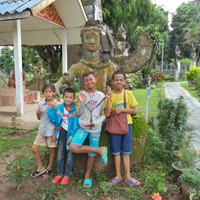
{"type": "Point", "coordinates": [87, 182]}
{"type": "Point", "coordinates": [133, 182]}
{"type": "Point", "coordinates": [115, 181]}
{"type": "Point", "coordinates": [57, 179]}
{"type": "Point", "coordinates": [65, 180]}
{"type": "Point", "coordinates": [47, 173]}
{"type": "Point", "coordinates": [104, 158]}
{"type": "Point", "coordinates": [36, 173]}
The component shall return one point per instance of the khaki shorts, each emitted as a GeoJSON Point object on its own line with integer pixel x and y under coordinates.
{"type": "Point", "coordinates": [44, 141]}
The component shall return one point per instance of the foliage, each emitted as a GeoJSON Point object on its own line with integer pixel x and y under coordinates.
{"type": "Point", "coordinates": [186, 62]}
{"type": "Point", "coordinates": [14, 123]}
{"type": "Point", "coordinates": [158, 76]}
{"type": "Point", "coordinates": [51, 55]}
{"type": "Point", "coordinates": [16, 170]}
{"type": "Point", "coordinates": [187, 155]}
{"type": "Point", "coordinates": [193, 73]}
{"type": "Point", "coordinates": [197, 82]}
{"type": "Point", "coordinates": [136, 79]}
{"type": "Point", "coordinates": [194, 194]}
{"type": "Point", "coordinates": [186, 16]}
{"type": "Point", "coordinates": [191, 90]}
{"type": "Point", "coordinates": [172, 122]}
{"type": "Point", "coordinates": [191, 176]}
{"type": "Point", "coordinates": [155, 182]}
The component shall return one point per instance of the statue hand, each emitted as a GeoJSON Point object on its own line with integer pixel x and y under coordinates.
{"type": "Point", "coordinates": [82, 97]}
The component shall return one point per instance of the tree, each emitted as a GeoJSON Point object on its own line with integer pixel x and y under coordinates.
{"type": "Point", "coordinates": [6, 61]}
{"type": "Point", "coordinates": [186, 16]}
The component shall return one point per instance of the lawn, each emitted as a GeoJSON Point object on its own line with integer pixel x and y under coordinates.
{"type": "Point", "coordinates": [156, 94]}
{"type": "Point", "coordinates": [191, 90]}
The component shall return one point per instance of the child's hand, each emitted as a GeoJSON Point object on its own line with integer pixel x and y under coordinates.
{"type": "Point", "coordinates": [68, 141]}
{"type": "Point", "coordinates": [82, 97]}
{"type": "Point", "coordinates": [88, 124]}
{"type": "Point", "coordinates": [39, 111]}
{"type": "Point", "coordinates": [53, 104]}
{"type": "Point", "coordinates": [116, 111]}
{"type": "Point", "coordinates": [109, 93]}
{"type": "Point", "coordinates": [53, 138]}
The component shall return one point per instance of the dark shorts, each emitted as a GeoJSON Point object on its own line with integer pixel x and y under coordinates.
{"type": "Point", "coordinates": [121, 143]}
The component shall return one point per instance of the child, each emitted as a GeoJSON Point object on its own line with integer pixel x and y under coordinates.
{"type": "Point", "coordinates": [121, 143]}
{"type": "Point", "coordinates": [90, 109]}
{"type": "Point", "coordinates": [45, 136]}
{"type": "Point", "coordinates": [66, 122]}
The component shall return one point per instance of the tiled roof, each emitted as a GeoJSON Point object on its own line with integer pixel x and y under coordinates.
{"type": "Point", "coordinates": [12, 6]}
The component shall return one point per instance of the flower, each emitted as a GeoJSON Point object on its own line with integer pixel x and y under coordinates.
{"type": "Point", "coordinates": [156, 196]}
{"type": "Point", "coordinates": [186, 140]}
{"type": "Point", "coordinates": [196, 152]}
{"type": "Point", "coordinates": [18, 167]}
{"type": "Point", "coordinates": [12, 119]}
{"type": "Point", "coordinates": [180, 154]}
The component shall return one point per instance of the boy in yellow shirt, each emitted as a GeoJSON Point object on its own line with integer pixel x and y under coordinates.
{"type": "Point", "coordinates": [121, 143]}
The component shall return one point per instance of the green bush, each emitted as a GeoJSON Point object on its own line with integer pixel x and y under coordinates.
{"type": "Point", "coordinates": [172, 122]}
{"type": "Point", "coordinates": [197, 82]}
{"type": "Point", "coordinates": [193, 73]}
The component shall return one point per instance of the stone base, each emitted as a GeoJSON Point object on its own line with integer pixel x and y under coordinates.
{"type": "Point", "coordinates": [139, 135]}
{"type": "Point", "coordinates": [8, 96]}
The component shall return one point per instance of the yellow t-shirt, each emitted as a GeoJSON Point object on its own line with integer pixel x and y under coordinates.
{"type": "Point", "coordinates": [117, 101]}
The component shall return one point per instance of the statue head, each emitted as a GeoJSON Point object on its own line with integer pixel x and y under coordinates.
{"type": "Point", "coordinates": [90, 36]}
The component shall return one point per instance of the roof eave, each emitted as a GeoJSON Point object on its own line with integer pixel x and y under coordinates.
{"type": "Point", "coordinates": [16, 15]}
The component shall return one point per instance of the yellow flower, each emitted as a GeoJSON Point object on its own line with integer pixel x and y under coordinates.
{"type": "Point", "coordinates": [186, 140]}
{"type": "Point", "coordinates": [196, 152]}
{"type": "Point", "coordinates": [180, 154]}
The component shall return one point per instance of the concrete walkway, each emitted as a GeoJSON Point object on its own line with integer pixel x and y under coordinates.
{"type": "Point", "coordinates": [28, 121]}
{"type": "Point", "coordinates": [173, 91]}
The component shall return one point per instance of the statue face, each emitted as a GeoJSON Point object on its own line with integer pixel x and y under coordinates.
{"type": "Point", "coordinates": [91, 40]}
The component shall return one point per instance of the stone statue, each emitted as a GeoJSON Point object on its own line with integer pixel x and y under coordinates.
{"type": "Point", "coordinates": [11, 82]}
{"type": "Point", "coordinates": [177, 63]}
{"type": "Point", "coordinates": [99, 63]}
{"type": "Point", "coordinates": [39, 72]}
{"type": "Point", "coordinates": [194, 55]}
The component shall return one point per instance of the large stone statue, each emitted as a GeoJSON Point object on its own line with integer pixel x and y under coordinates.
{"type": "Point", "coordinates": [11, 82]}
{"type": "Point", "coordinates": [177, 63]}
{"type": "Point", "coordinates": [99, 63]}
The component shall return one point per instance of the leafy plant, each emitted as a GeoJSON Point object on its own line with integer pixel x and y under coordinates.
{"type": "Point", "coordinates": [155, 182]}
{"type": "Point", "coordinates": [105, 186]}
{"type": "Point", "coordinates": [191, 176]}
{"type": "Point", "coordinates": [17, 172]}
{"type": "Point", "coordinates": [172, 122]}
{"type": "Point", "coordinates": [14, 123]}
{"type": "Point", "coordinates": [193, 73]}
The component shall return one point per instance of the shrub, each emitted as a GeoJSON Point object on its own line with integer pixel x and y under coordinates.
{"type": "Point", "coordinates": [158, 76]}
{"type": "Point", "coordinates": [172, 122]}
{"type": "Point", "coordinates": [193, 73]}
{"type": "Point", "coordinates": [197, 82]}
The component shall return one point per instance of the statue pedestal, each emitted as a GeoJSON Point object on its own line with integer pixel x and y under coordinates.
{"type": "Point", "coordinates": [8, 96]}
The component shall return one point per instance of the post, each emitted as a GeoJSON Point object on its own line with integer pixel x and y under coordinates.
{"type": "Point", "coordinates": [18, 67]}
{"type": "Point", "coordinates": [147, 103]}
{"type": "Point", "coordinates": [64, 51]}
{"type": "Point", "coordinates": [162, 55]}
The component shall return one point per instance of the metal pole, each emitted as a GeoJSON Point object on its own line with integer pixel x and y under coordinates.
{"type": "Point", "coordinates": [162, 55]}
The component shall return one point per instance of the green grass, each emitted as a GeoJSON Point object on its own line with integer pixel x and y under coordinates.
{"type": "Point", "coordinates": [140, 95]}
{"type": "Point", "coordinates": [8, 141]}
{"type": "Point", "coordinates": [191, 90]}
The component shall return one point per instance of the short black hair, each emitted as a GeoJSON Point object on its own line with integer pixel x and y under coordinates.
{"type": "Point", "coordinates": [118, 72]}
{"type": "Point", "coordinates": [48, 85]}
{"type": "Point", "coordinates": [87, 74]}
{"type": "Point", "coordinates": [69, 90]}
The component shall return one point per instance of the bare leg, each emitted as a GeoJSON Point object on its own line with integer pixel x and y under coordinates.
{"type": "Point", "coordinates": [87, 149]}
{"type": "Point", "coordinates": [126, 164]}
{"type": "Point", "coordinates": [52, 152]}
{"type": "Point", "coordinates": [35, 150]}
{"type": "Point", "coordinates": [117, 161]}
{"type": "Point", "coordinates": [90, 164]}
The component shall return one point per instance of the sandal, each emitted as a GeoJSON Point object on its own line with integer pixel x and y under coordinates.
{"type": "Point", "coordinates": [56, 179]}
{"type": "Point", "coordinates": [47, 173]}
{"type": "Point", "coordinates": [87, 182]}
{"type": "Point", "coordinates": [65, 180]}
{"type": "Point", "coordinates": [104, 158]}
{"type": "Point", "coordinates": [36, 173]}
{"type": "Point", "coordinates": [114, 181]}
{"type": "Point", "coordinates": [133, 182]}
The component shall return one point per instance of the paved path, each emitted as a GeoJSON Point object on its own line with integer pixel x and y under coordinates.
{"type": "Point", "coordinates": [173, 91]}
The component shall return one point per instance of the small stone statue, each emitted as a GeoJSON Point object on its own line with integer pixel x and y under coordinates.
{"type": "Point", "coordinates": [39, 72]}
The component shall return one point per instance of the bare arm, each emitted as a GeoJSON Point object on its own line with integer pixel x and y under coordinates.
{"type": "Point", "coordinates": [117, 111]}
{"type": "Point", "coordinates": [107, 109]}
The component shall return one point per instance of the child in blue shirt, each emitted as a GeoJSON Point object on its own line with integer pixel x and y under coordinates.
{"type": "Point", "coordinates": [66, 124]}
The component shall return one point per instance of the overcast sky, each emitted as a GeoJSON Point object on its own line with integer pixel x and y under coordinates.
{"type": "Point", "coordinates": [169, 5]}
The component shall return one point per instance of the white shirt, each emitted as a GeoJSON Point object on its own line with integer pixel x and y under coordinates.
{"type": "Point", "coordinates": [64, 123]}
